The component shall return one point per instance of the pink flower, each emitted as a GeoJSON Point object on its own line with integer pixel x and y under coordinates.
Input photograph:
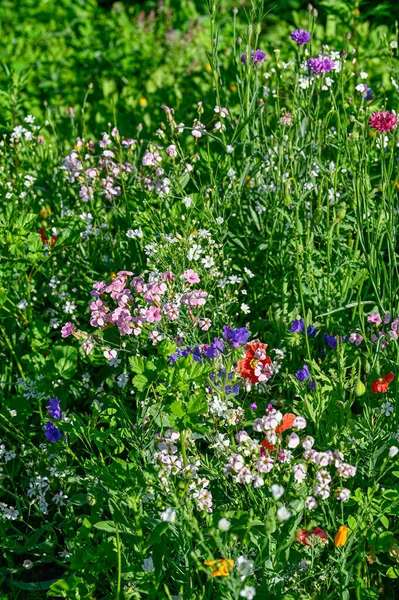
{"type": "Point", "coordinates": [204, 324]}
{"type": "Point", "coordinates": [151, 315]}
{"type": "Point", "coordinates": [383, 121]}
{"type": "Point", "coordinates": [191, 276]}
{"type": "Point", "coordinates": [67, 330]}
{"type": "Point", "coordinates": [355, 338]}
{"type": "Point", "coordinates": [374, 318]}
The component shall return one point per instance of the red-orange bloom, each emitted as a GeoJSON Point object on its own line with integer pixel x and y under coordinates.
{"type": "Point", "coordinates": [286, 423]}
{"type": "Point", "coordinates": [304, 535]}
{"type": "Point", "coordinates": [255, 366]}
{"type": "Point", "coordinates": [381, 384]}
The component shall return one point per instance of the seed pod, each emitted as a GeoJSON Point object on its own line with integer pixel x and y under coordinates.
{"type": "Point", "coordinates": [367, 367]}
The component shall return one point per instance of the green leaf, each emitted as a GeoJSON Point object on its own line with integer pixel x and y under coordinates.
{"type": "Point", "coordinates": [384, 541]}
{"type": "Point", "coordinates": [140, 382]}
{"type": "Point", "coordinates": [65, 360]}
{"type": "Point", "coordinates": [137, 364]}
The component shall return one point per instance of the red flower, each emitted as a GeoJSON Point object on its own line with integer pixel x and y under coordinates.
{"type": "Point", "coordinates": [286, 423]}
{"type": "Point", "coordinates": [45, 239]}
{"type": "Point", "coordinates": [255, 366]}
{"type": "Point", "coordinates": [381, 384]}
{"type": "Point", "coordinates": [304, 535]}
{"type": "Point", "coordinates": [383, 121]}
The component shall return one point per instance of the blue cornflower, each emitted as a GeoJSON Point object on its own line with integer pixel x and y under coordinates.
{"type": "Point", "coordinates": [237, 337]}
{"type": "Point", "coordinates": [303, 374]}
{"type": "Point", "coordinates": [52, 432]}
{"type": "Point", "coordinates": [54, 408]}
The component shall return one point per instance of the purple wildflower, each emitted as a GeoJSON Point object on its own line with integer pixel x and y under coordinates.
{"type": "Point", "coordinates": [312, 385]}
{"type": "Point", "coordinates": [52, 432]}
{"type": "Point", "coordinates": [54, 408]}
{"type": "Point", "coordinates": [303, 374]}
{"type": "Point", "coordinates": [311, 331]}
{"type": "Point", "coordinates": [67, 329]}
{"type": "Point", "coordinates": [297, 326]}
{"type": "Point", "coordinates": [257, 57]}
{"type": "Point", "coordinates": [237, 337]}
{"type": "Point", "coordinates": [331, 340]}
{"type": "Point", "coordinates": [320, 65]}
{"type": "Point", "coordinates": [253, 406]}
{"type": "Point", "coordinates": [301, 36]}
{"type": "Point", "coordinates": [232, 389]}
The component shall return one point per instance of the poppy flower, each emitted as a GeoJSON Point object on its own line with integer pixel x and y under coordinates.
{"type": "Point", "coordinates": [221, 565]}
{"type": "Point", "coordinates": [287, 422]}
{"type": "Point", "coordinates": [304, 536]}
{"type": "Point", "coordinates": [341, 536]}
{"type": "Point", "coordinates": [256, 365]}
{"type": "Point", "coordinates": [45, 239]}
{"type": "Point", "coordinates": [381, 384]}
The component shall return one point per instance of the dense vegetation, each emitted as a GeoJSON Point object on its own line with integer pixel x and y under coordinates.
{"type": "Point", "coordinates": [199, 300]}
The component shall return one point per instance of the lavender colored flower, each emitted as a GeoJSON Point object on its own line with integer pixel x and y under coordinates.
{"type": "Point", "coordinates": [312, 385]}
{"type": "Point", "coordinates": [52, 432]}
{"type": "Point", "coordinates": [237, 337]}
{"type": "Point", "coordinates": [257, 57]}
{"type": "Point", "coordinates": [320, 65]}
{"type": "Point", "coordinates": [311, 331]}
{"type": "Point", "coordinates": [54, 408]}
{"type": "Point", "coordinates": [232, 389]}
{"type": "Point", "coordinates": [301, 36]}
{"type": "Point", "coordinates": [253, 406]}
{"type": "Point", "coordinates": [303, 374]}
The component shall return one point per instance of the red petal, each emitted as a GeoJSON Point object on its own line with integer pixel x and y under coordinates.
{"type": "Point", "coordinates": [267, 445]}
{"type": "Point", "coordinates": [388, 378]}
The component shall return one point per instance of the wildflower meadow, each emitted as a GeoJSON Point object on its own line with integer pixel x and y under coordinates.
{"type": "Point", "coordinates": [199, 300]}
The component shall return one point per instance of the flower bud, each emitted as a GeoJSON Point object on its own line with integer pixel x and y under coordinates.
{"type": "Point", "coordinates": [360, 388]}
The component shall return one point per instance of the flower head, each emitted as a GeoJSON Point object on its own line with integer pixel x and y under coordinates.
{"type": "Point", "coordinates": [303, 374]}
{"type": "Point", "coordinates": [383, 121]}
{"type": "Point", "coordinates": [191, 276]}
{"type": "Point", "coordinates": [221, 566]}
{"type": "Point", "coordinates": [67, 330]}
{"type": "Point", "coordinates": [381, 384]}
{"type": "Point", "coordinates": [341, 536]}
{"type": "Point", "coordinates": [305, 537]}
{"type": "Point", "coordinates": [52, 432]}
{"type": "Point", "coordinates": [237, 337]}
{"type": "Point", "coordinates": [300, 36]}
{"type": "Point", "coordinates": [256, 366]}
{"type": "Point", "coordinates": [257, 57]}
{"type": "Point", "coordinates": [54, 408]}
{"type": "Point", "coordinates": [320, 65]}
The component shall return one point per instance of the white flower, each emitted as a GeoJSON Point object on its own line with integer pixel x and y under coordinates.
{"type": "Point", "coordinates": [248, 592]}
{"type": "Point", "coordinates": [22, 304]}
{"type": "Point", "coordinates": [245, 308]}
{"type": "Point", "coordinates": [134, 233]}
{"type": "Point", "coordinates": [344, 495]}
{"type": "Point", "coordinates": [148, 565]}
{"type": "Point", "coordinates": [187, 201]}
{"type": "Point", "coordinates": [393, 450]}
{"type": "Point", "coordinates": [244, 567]}
{"type": "Point", "coordinates": [13, 413]}
{"type": "Point", "coordinates": [394, 45]}
{"type": "Point", "coordinates": [283, 514]}
{"type": "Point", "coordinates": [310, 503]}
{"type": "Point", "coordinates": [29, 119]}
{"type": "Point", "coordinates": [224, 524]}
{"type": "Point", "coordinates": [168, 515]}
{"type": "Point", "coordinates": [229, 149]}
{"type": "Point", "coordinates": [27, 564]}
{"type": "Point", "coordinates": [208, 262]}
{"type": "Point", "coordinates": [219, 220]}
{"type": "Point", "coordinates": [277, 491]}
{"type": "Point", "coordinates": [293, 440]}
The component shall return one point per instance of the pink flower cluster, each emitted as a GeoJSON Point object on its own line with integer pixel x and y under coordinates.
{"type": "Point", "coordinates": [383, 121]}
{"type": "Point", "coordinates": [376, 319]}
{"type": "Point", "coordinates": [142, 305]}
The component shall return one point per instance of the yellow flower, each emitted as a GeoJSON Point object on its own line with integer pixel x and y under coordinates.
{"type": "Point", "coordinates": [45, 212]}
{"type": "Point", "coordinates": [341, 536]}
{"type": "Point", "coordinates": [221, 566]}
{"type": "Point", "coordinates": [112, 276]}
{"type": "Point", "coordinates": [208, 67]}
{"type": "Point", "coordinates": [143, 102]}
{"type": "Point", "coordinates": [233, 87]}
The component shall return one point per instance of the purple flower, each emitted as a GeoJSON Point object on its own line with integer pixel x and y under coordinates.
{"type": "Point", "coordinates": [253, 406]}
{"type": "Point", "coordinates": [331, 340]}
{"type": "Point", "coordinates": [67, 330]}
{"type": "Point", "coordinates": [311, 331]}
{"type": "Point", "coordinates": [301, 36]}
{"type": "Point", "coordinates": [303, 374]}
{"type": "Point", "coordinates": [257, 57]}
{"type": "Point", "coordinates": [312, 385]}
{"type": "Point", "coordinates": [297, 326]}
{"type": "Point", "coordinates": [54, 408]}
{"type": "Point", "coordinates": [232, 389]}
{"type": "Point", "coordinates": [52, 432]}
{"type": "Point", "coordinates": [320, 65]}
{"type": "Point", "coordinates": [237, 337]}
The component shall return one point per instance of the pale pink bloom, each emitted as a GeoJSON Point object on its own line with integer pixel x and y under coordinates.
{"type": "Point", "coordinates": [171, 310]}
{"type": "Point", "coordinates": [258, 481]}
{"type": "Point", "coordinates": [171, 150]}
{"type": "Point", "coordinates": [323, 476]}
{"type": "Point", "coordinates": [67, 330]}
{"type": "Point", "coordinates": [299, 472]}
{"type": "Point", "coordinates": [310, 503]}
{"type": "Point", "coordinates": [322, 490]}
{"type": "Point", "coordinates": [204, 324]}
{"type": "Point", "coordinates": [155, 337]}
{"type": "Point", "coordinates": [374, 318]}
{"type": "Point", "coordinates": [300, 422]}
{"type": "Point", "coordinates": [241, 437]}
{"type": "Point", "coordinates": [265, 464]}
{"type": "Point", "coordinates": [191, 276]}
{"type": "Point", "coordinates": [88, 345]}
{"type": "Point", "coordinates": [110, 354]}
{"type": "Point", "coordinates": [293, 440]}
{"type": "Point", "coordinates": [356, 338]}
{"type": "Point", "coordinates": [167, 276]}
{"type": "Point", "coordinates": [244, 475]}
{"type": "Point", "coordinates": [151, 315]}
{"type": "Point", "coordinates": [344, 495]}
{"type": "Point", "coordinates": [345, 470]}
{"type": "Point", "coordinates": [308, 442]}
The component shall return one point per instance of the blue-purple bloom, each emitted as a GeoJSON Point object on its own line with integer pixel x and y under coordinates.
{"type": "Point", "coordinates": [303, 374]}
{"type": "Point", "coordinates": [298, 326]}
{"type": "Point", "coordinates": [320, 65]}
{"type": "Point", "coordinates": [331, 340]}
{"type": "Point", "coordinates": [54, 408]}
{"type": "Point", "coordinates": [311, 331]}
{"type": "Point", "coordinates": [257, 57]}
{"type": "Point", "coordinates": [181, 353]}
{"type": "Point", "coordinates": [301, 36]}
{"type": "Point", "coordinates": [52, 432]}
{"type": "Point", "coordinates": [237, 337]}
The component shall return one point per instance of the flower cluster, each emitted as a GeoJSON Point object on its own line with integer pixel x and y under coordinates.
{"type": "Point", "coordinates": [383, 121]}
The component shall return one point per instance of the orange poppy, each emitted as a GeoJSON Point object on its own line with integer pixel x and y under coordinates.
{"type": "Point", "coordinates": [381, 384]}
{"type": "Point", "coordinates": [246, 367]}
{"type": "Point", "coordinates": [341, 536]}
{"type": "Point", "coordinates": [221, 565]}
{"type": "Point", "coordinates": [287, 422]}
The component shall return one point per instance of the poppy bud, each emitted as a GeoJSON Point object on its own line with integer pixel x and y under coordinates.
{"type": "Point", "coordinates": [360, 388]}
{"type": "Point", "coordinates": [367, 367]}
